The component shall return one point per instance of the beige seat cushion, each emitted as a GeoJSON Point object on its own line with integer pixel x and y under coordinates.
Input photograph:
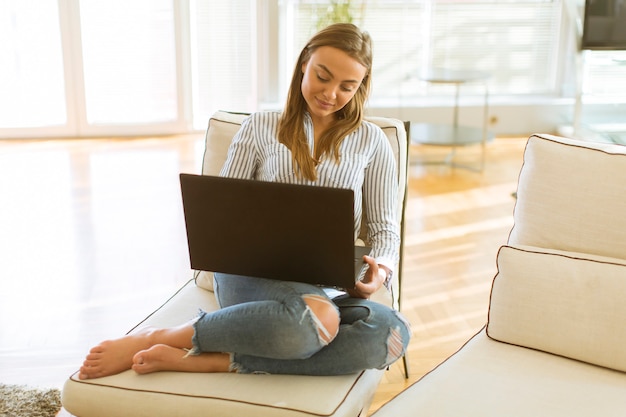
{"type": "Point", "coordinates": [218, 395]}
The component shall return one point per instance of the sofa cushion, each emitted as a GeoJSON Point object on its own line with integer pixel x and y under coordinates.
{"type": "Point", "coordinates": [565, 303]}
{"type": "Point", "coordinates": [204, 279]}
{"type": "Point", "coordinates": [219, 134]}
{"type": "Point", "coordinates": [571, 197]}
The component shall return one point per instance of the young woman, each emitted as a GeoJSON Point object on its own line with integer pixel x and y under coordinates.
{"type": "Point", "coordinates": [288, 327]}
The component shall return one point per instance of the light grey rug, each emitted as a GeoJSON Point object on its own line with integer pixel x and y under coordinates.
{"type": "Point", "coordinates": [24, 401]}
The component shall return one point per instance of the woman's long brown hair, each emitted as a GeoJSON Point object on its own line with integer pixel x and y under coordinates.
{"type": "Point", "coordinates": [357, 44]}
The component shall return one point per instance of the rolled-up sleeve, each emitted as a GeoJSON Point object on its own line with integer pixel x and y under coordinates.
{"type": "Point", "coordinates": [380, 191]}
{"type": "Point", "coordinates": [242, 159]}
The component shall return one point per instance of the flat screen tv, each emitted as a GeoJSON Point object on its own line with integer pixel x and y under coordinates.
{"type": "Point", "coordinates": [604, 25]}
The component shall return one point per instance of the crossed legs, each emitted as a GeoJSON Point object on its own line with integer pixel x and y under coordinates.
{"type": "Point", "coordinates": [151, 349]}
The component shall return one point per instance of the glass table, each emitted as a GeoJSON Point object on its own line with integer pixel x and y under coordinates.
{"type": "Point", "coordinates": [453, 135]}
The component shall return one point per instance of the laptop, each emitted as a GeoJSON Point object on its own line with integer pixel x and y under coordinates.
{"type": "Point", "coordinates": [272, 230]}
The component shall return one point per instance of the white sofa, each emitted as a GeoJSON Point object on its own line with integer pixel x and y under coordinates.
{"type": "Point", "coordinates": [172, 394]}
{"type": "Point", "coordinates": [555, 340]}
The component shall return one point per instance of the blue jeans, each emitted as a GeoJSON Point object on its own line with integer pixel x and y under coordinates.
{"type": "Point", "coordinates": [267, 328]}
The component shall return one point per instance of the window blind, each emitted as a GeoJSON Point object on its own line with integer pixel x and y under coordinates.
{"type": "Point", "coordinates": [223, 57]}
{"type": "Point", "coordinates": [516, 42]}
{"type": "Point", "coordinates": [605, 74]}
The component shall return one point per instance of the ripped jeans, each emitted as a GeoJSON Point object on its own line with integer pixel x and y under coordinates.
{"type": "Point", "coordinates": [267, 328]}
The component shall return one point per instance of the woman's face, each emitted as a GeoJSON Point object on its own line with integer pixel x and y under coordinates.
{"type": "Point", "coordinates": [331, 78]}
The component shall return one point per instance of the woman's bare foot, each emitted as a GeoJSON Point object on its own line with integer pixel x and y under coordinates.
{"type": "Point", "coordinates": [114, 356]}
{"type": "Point", "coordinates": [167, 358]}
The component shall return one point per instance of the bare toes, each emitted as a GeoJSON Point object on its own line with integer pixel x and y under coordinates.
{"type": "Point", "coordinates": [113, 356]}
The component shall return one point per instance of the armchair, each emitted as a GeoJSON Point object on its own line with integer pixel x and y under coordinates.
{"type": "Point", "coordinates": [185, 394]}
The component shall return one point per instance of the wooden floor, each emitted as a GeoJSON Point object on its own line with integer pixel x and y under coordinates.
{"type": "Point", "coordinates": [92, 238]}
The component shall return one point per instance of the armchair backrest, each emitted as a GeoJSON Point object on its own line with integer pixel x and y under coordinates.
{"type": "Point", "coordinates": [224, 125]}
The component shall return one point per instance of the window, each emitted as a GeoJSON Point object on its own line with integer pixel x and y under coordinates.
{"type": "Point", "coordinates": [223, 57]}
{"type": "Point", "coordinates": [32, 87]}
{"type": "Point", "coordinates": [604, 74]}
{"type": "Point", "coordinates": [603, 100]}
{"type": "Point", "coordinates": [129, 61]}
{"type": "Point", "coordinates": [92, 67]}
{"type": "Point", "coordinates": [516, 42]}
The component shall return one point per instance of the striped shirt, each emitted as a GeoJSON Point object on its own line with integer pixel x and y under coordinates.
{"type": "Point", "coordinates": [367, 166]}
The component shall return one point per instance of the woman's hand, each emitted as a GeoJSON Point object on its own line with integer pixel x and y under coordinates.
{"type": "Point", "coordinates": [372, 281]}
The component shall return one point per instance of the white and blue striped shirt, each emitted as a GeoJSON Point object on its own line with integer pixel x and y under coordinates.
{"type": "Point", "coordinates": [367, 166]}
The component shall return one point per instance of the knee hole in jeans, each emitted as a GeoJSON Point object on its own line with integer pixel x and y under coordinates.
{"type": "Point", "coordinates": [325, 315]}
{"type": "Point", "coordinates": [396, 345]}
